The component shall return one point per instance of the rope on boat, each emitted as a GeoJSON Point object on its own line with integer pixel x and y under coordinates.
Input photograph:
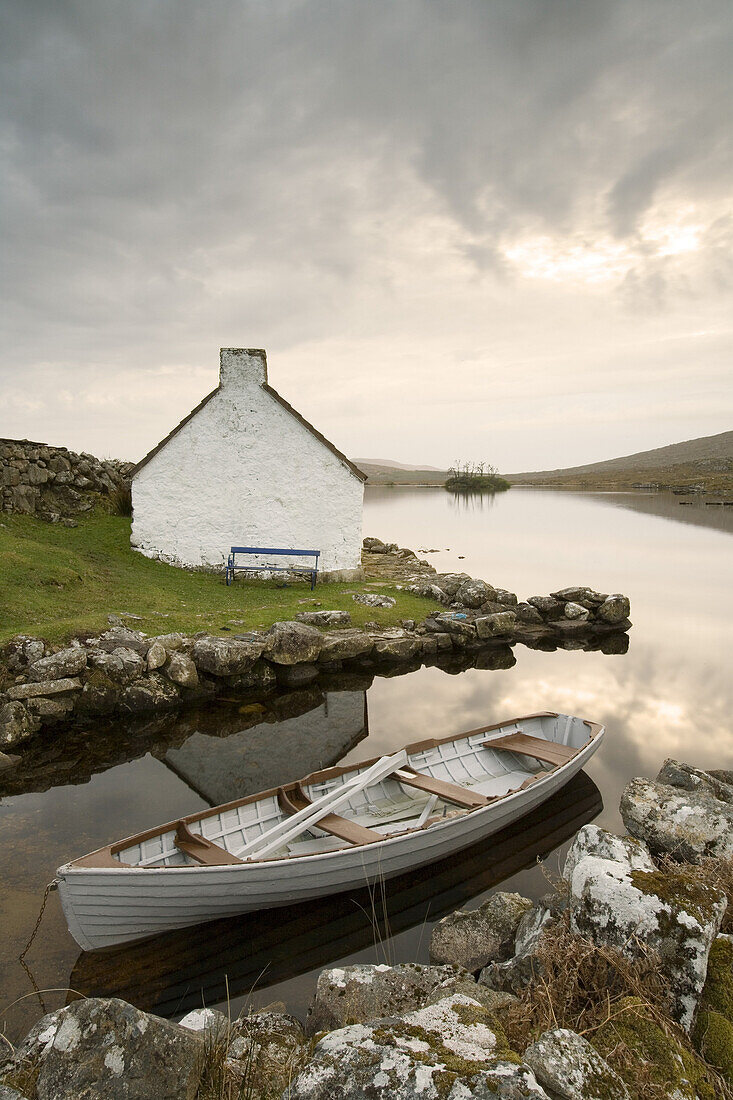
{"type": "Point", "coordinates": [50, 886]}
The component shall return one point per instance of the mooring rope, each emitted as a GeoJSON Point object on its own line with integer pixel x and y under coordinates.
{"type": "Point", "coordinates": [50, 886]}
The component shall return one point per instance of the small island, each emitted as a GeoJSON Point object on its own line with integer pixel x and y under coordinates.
{"type": "Point", "coordinates": [475, 477]}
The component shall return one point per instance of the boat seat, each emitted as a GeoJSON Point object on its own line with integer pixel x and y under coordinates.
{"type": "Point", "coordinates": [202, 850]}
{"type": "Point", "coordinates": [449, 792]}
{"type": "Point", "coordinates": [538, 747]}
{"type": "Point", "coordinates": [296, 799]}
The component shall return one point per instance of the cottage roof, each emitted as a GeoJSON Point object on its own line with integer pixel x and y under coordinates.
{"type": "Point", "coordinates": [281, 401]}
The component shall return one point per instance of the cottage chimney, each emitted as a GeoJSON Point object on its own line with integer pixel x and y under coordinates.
{"type": "Point", "coordinates": [240, 367]}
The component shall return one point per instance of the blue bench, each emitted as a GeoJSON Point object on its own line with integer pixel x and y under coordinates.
{"type": "Point", "coordinates": [308, 571]}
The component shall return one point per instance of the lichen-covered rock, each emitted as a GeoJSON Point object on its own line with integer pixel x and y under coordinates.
{"type": "Point", "coordinates": [579, 594]}
{"type": "Point", "coordinates": [474, 593]}
{"type": "Point", "coordinates": [324, 618]}
{"type": "Point", "coordinates": [528, 614]}
{"type": "Point", "coordinates": [687, 823]}
{"type": "Point", "coordinates": [674, 773]}
{"type": "Point", "coordinates": [46, 688]}
{"type": "Point", "coordinates": [530, 928]}
{"type": "Point", "coordinates": [123, 637]}
{"type": "Point", "coordinates": [182, 671]}
{"type": "Point", "coordinates": [460, 629]}
{"type": "Point", "coordinates": [107, 1050]}
{"type": "Point", "coordinates": [592, 841]}
{"type": "Point", "coordinates": [122, 665]}
{"type": "Point", "coordinates": [633, 910]}
{"type": "Point", "coordinates": [452, 1050]}
{"type": "Point", "coordinates": [570, 1068]}
{"type": "Point", "coordinates": [157, 656]}
{"type": "Point", "coordinates": [67, 662]}
{"type": "Point", "coordinates": [548, 607]}
{"type": "Point", "coordinates": [491, 626]}
{"type": "Point", "coordinates": [225, 656]}
{"type": "Point", "coordinates": [640, 1049]}
{"type": "Point", "coordinates": [372, 599]}
{"type": "Point", "coordinates": [291, 643]}
{"type": "Point", "coordinates": [576, 612]}
{"type": "Point", "coordinates": [491, 999]}
{"type": "Point", "coordinates": [396, 645]}
{"type": "Point", "coordinates": [260, 677]}
{"type": "Point", "coordinates": [153, 692]}
{"type": "Point", "coordinates": [344, 645]}
{"type": "Point", "coordinates": [503, 596]}
{"type": "Point", "coordinates": [615, 609]}
{"type": "Point", "coordinates": [100, 694]}
{"type": "Point", "coordinates": [713, 1032]}
{"type": "Point", "coordinates": [353, 994]}
{"type": "Point", "coordinates": [208, 1021]}
{"type": "Point", "coordinates": [267, 1051]}
{"type": "Point", "coordinates": [473, 939]}
{"type": "Point", "coordinates": [450, 582]}
{"type": "Point", "coordinates": [16, 724]}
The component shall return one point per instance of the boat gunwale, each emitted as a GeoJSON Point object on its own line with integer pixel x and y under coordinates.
{"type": "Point", "coordinates": [79, 865]}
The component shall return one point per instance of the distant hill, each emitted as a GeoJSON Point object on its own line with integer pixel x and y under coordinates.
{"type": "Point", "coordinates": [386, 472]}
{"type": "Point", "coordinates": [707, 462]}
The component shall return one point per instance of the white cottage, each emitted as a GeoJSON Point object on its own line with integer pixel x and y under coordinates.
{"type": "Point", "coordinates": [244, 468]}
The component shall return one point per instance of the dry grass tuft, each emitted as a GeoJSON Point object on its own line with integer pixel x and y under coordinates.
{"type": "Point", "coordinates": [120, 500]}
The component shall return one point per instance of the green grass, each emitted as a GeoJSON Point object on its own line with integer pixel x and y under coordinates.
{"type": "Point", "coordinates": [56, 582]}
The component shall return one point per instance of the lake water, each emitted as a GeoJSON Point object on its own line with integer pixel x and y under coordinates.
{"type": "Point", "coordinates": [671, 694]}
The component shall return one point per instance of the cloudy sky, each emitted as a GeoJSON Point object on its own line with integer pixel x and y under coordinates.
{"type": "Point", "coordinates": [495, 229]}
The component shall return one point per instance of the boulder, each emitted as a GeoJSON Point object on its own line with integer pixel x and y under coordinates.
{"type": "Point", "coordinates": [260, 677]}
{"type": "Point", "coordinates": [615, 609]}
{"type": "Point", "coordinates": [451, 1050]}
{"type": "Point", "coordinates": [429, 591]}
{"type": "Point", "coordinates": [450, 582]}
{"type": "Point", "coordinates": [526, 613]}
{"type": "Point", "coordinates": [225, 656]}
{"type": "Point", "coordinates": [353, 994]}
{"type": "Point", "coordinates": [123, 665]}
{"type": "Point", "coordinates": [324, 618]}
{"type": "Point", "coordinates": [344, 645]}
{"type": "Point", "coordinates": [67, 662]}
{"type": "Point", "coordinates": [46, 688]}
{"type": "Point", "coordinates": [293, 676]}
{"type": "Point", "coordinates": [376, 546]}
{"type": "Point", "coordinates": [125, 638]}
{"type": "Point", "coordinates": [206, 1021]}
{"type": "Point", "coordinates": [491, 626]}
{"type": "Point", "coordinates": [651, 1054]}
{"type": "Point", "coordinates": [100, 694]}
{"type": "Point", "coordinates": [51, 710]}
{"type": "Point", "coordinates": [156, 657]}
{"type": "Point", "coordinates": [613, 903]}
{"type": "Point", "coordinates": [491, 1000]}
{"type": "Point", "coordinates": [182, 671]}
{"type": "Point", "coordinates": [473, 939]}
{"type": "Point", "coordinates": [569, 1068]}
{"type": "Point", "coordinates": [579, 594]}
{"type": "Point", "coordinates": [459, 628]}
{"type": "Point", "coordinates": [530, 929]}
{"type": "Point", "coordinates": [152, 692]}
{"type": "Point", "coordinates": [576, 612]}
{"type": "Point", "coordinates": [371, 599]}
{"type": "Point", "coordinates": [686, 823]}
{"type": "Point", "coordinates": [396, 645]}
{"type": "Point", "coordinates": [473, 593]}
{"type": "Point", "coordinates": [718, 785]}
{"type": "Point", "coordinates": [503, 596]}
{"type": "Point", "coordinates": [292, 643]}
{"type": "Point", "coordinates": [98, 1049]}
{"type": "Point", "coordinates": [593, 841]}
{"type": "Point", "coordinates": [267, 1052]}
{"type": "Point", "coordinates": [548, 606]}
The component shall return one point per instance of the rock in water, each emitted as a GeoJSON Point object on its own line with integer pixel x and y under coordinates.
{"type": "Point", "coordinates": [452, 1050]}
{"type": "Point", "coordinates": [291, 643]}
{"type": "Point", "coordinates": [107, 1050]}
{"type": "Point", "coordinates": [686, 812]}
{"type": "Point", "coordinates": [352, 994]}
{"type": "Point", "coordinates": [570, 1068]}
{"type": "Point", "coordinates": [473, 939]}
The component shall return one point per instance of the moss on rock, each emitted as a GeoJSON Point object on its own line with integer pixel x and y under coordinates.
{"type": "Point", "coordinates": [640, 1050]}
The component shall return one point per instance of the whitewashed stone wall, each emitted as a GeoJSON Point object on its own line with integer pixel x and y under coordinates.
{"type": "Point", "coordinates": [244, 471]}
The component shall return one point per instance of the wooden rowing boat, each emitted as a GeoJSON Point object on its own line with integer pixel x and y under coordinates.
{"type": "Point", "coordinates": [335, 830]}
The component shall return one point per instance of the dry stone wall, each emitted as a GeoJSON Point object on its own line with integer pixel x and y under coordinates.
{"type": "Point", "coordinates": [54, 483]}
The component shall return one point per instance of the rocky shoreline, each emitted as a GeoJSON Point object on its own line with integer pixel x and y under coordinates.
{"type": "Point", "coordinates": [123, 673]}
{"type": "Point", "coordinates": [617, 985]}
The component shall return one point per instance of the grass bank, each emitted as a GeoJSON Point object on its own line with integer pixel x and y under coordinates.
{"type": "Point", "coordinates": [56, 582]}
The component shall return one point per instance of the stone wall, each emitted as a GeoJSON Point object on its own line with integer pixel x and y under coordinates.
{"type": "Point", "coordinates": [54, 483]}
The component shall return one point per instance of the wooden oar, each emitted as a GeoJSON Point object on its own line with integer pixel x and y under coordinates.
{"type": "Point", "coordinates": [293, 827]}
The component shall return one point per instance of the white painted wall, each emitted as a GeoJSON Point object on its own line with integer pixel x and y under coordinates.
{"type": "Point", "coordinates": [243, 471]}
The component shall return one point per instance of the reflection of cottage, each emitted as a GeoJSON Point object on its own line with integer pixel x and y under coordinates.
{"type": "Point", "coordinates": [244, 468]}
{"type": "Point", "coordinates": [221, 769]}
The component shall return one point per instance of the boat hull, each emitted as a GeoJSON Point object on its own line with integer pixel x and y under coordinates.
{"type": "Point", "coordinates": [106, 905]}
